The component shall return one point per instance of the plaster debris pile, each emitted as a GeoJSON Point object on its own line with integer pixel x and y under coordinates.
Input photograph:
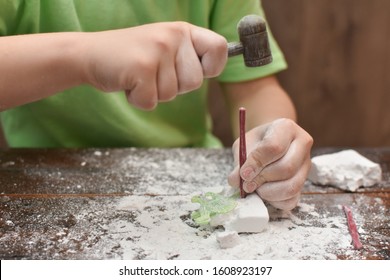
{"type": "Point", "coordinates": [347, 170]}
{"type": "Point", "coordinates": [305, 233]}
{"type": "Point", "coordinates": [234, 214]}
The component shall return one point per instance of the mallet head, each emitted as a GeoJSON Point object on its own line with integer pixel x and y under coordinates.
{"type": "Point", "coordinates": [253, 43]}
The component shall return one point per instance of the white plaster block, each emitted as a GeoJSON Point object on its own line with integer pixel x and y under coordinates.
{"type": "Point", "coordinates": [347, 170]}
{"type": "Point", "coordinates": [250, 215]}
{"type": "Point", "coordinates": [228, 239]}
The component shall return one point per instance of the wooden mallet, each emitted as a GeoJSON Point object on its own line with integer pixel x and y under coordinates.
{"type": "Point", "coordinates": [253, 45]}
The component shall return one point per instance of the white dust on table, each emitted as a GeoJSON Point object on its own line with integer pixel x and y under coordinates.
{"type": "Point", "coordinates": [162, 229]}
{"type": "Point", "coordinates": [154, 221]}
{"type": "Point", "coordinates": [173, 175]}
{"type": "Point", "coordinates": [165, 231]}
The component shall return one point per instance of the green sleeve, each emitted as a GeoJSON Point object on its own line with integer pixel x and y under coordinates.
{"type": "Point", "coordinates": [8, 12]}
{"type": "Point", "coordinates": [224, 19]}
{"type": "Point", "coordinates": [19, 17]}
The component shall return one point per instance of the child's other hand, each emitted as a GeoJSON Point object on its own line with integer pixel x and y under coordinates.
{"type": "Point", "coordinates": [277, 164]}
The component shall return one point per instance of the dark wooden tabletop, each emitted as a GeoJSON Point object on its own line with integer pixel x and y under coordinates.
{"type": "Point", "coordinates": [135, 204]}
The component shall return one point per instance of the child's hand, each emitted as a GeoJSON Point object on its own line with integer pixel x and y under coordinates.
{"type": "Point", "coordinates": [277, 164]}
{"type": "Point", "coordinates": [153, 63]}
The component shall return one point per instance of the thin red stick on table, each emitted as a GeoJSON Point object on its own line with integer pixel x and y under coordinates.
{"type": "Point", "coordinates": [242, 147]}
{"type": "Point", "coordinates": [352, 228]}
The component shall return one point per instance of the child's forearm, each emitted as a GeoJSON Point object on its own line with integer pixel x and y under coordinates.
{"type": "Point", "coordinates": [36, 66]}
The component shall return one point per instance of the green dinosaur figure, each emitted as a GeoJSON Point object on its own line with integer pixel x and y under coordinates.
{"type": "Point", "coordinates": [212, 204]}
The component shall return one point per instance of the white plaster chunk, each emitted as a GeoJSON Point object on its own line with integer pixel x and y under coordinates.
{"type": "Point", "coordinates": [250, 215]}
{"type": "Point", "coordinates": [228, 239]}
{"type": "Point", "coordinates": [347, 170]}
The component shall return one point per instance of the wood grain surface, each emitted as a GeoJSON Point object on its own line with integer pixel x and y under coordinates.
{"type": "Point", "coordinates": [63, 204]}
{"type": "Point", "coordinates": [338, 54]}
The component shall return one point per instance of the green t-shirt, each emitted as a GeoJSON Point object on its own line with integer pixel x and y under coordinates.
{"type": "Point", "coordinates": [85, 117]}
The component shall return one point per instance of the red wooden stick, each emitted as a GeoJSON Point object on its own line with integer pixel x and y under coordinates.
{"type": "Point", "coordinates": [352, 228]}
{"type": "Point", "coordinates": [242, 148]}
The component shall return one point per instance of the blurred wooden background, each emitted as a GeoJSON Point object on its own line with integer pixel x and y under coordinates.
{"type": "Point", "coordinates": [339, 69]}
{"type": "Point", "coordinates": [338, 53]}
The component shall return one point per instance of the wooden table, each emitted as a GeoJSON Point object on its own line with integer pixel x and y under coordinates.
{"type": "Point", "coordinates": [135, 204]}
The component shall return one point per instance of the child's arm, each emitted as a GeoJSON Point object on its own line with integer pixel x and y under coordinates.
{"type": "Point", "coordinates": [151, 63]}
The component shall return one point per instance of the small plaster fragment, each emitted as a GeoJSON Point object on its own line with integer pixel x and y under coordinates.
{"type": "Point", "coordinates": [228, 239]}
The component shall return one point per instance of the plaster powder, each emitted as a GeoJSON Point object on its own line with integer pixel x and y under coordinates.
{"type": "Point", "coordinates": [153, 220]}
